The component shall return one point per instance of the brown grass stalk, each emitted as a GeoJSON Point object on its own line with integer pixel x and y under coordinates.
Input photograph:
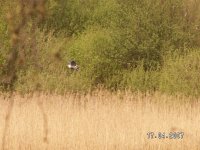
{"type": "Point", "coordinates": [45, 122]}
{"type": "Point", "coordinates": [7, 121]}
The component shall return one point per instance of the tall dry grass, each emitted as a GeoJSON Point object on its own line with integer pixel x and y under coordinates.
{"type": "Point", "coordinates": [100, 120]}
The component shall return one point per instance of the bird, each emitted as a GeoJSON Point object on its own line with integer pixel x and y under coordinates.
{"type": "Point", "coordinates": [72, 65]}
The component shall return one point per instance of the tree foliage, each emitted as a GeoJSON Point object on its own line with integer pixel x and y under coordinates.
{"type": "Point", "coordinates": [117, 43]}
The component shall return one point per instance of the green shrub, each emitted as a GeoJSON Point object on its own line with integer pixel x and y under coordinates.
{"type": "Point", "coordinates": [107, 14]}
{"type": "Point", "coordinates": [146, 30]}
{"type": "Point", "coordinates": [46, 70]}
{"type": "Point", "coordinates": [182, 74]}
{"type": "Point", "coordinates": [97, 54]}
{"type": "Point", "coordinates": [4, 40]}
{"type": "Point", "coordinates": [139, 79]}
{"type": "Point", "coordinates": [69, 16]}
{"type": "Point", "coordinates": [155, 28]}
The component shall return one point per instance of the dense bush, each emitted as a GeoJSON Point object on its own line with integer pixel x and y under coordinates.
{"type": "Point", "coordinates": [46, 71]}
{"type": "Point", "coordinates": [181, 74]}
{"type": "Point", "coordinates": [68, 16]}
{"type": "Point", "coordinates": [98, 54]}
{"type": "Point", "coordinates": [4, 41]}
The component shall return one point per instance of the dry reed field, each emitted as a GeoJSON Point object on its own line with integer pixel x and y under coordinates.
{"type": "Point", "coordinates": [98, 121]}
